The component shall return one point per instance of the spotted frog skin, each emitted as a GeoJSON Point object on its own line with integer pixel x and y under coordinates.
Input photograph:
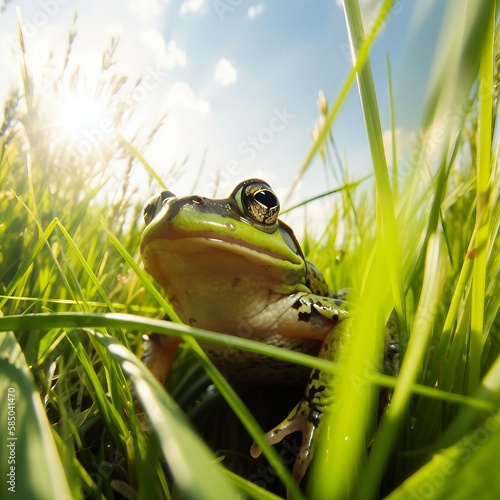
{"type": "Point", "coordinates": [231, 266]}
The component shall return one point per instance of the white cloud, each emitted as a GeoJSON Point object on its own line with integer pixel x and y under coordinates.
{"type": "Point", "coordinates": [114, 29]}
{"type": "Point", "coordinates": [173, 56]}
{"type": "Point", "coordinates": [146, 9]}
{"type": "Point", "coordinates": [191, 6]}
{"type": "Point", "coordinates": [225, 73]}
{"type": "Point", "coordinates": [181, 95]}
{"type": "Point", "coordinates": [256, 10]}
{"type": "Point", "coordinates": [167, 55]}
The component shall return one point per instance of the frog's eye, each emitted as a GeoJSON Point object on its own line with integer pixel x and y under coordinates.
{"type": "Point", "coordinates": [260, 203]}
{"type": "Point", "coordinates": [154, 204]}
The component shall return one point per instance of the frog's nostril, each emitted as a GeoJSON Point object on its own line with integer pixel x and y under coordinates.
{"type": "Point", "coordinates": [199, 200]}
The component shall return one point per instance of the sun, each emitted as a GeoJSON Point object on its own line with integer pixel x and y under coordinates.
{"type": "Point", "coordinates": [79, 113]}
{"type": "Point", "coordinates": [82, 120]}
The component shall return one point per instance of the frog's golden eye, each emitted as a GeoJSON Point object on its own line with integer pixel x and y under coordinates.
{"type": "Point", "coordinates": [260, 203]}
{"type": "Point", "coordinates": [154, 204]}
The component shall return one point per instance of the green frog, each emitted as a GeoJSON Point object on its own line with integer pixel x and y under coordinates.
{"type": "Point", "coordinates": [232, 266]}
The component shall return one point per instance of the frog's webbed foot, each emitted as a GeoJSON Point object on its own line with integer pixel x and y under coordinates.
{"type": "Point", "coordinates": [305, 419]}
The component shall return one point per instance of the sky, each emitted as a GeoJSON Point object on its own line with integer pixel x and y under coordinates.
{"type": "Point", "coordinates": [238, 79]}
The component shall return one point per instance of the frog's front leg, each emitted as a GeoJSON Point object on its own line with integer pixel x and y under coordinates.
{"type": "Point", "coordinates": [159, 354]}
{"type": "Point", "coordinates": [308, 414]}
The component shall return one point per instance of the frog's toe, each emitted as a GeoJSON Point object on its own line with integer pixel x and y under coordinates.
{"type": "Point", "coordinates": [302, 419]}
{"type": "Point", "coordinates": [302, 462]}
{"type": "Point", "coordinates": [292, 423]}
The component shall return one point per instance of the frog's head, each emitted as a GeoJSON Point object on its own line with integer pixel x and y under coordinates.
{"type": "Point", "coordinates": [195, 238]}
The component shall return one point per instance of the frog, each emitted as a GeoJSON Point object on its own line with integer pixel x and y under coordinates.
{"type": "Point", "coordinates": [231, 265]}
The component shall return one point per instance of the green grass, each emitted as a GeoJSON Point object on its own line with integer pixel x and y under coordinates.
{"type": "Point", "coordinates": [421, 239]}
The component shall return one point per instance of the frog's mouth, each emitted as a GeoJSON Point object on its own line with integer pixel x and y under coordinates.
{"type": "Point", "coordinates": [178, 242]}
{"type": "Point", "coordinates": [177, 259]}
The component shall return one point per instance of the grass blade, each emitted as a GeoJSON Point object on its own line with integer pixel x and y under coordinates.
{"type": "Point", "coordinates": [28, 451]}
{"type": "Point", "coordinates": [410, 369]}
{"type": "Point", "coordinates": [371, 116]}
{"type": "Point", "coordinates": [361, 59]}
{"type": "Point", "coordinates": [482, 229]}
{"type": "Point", "coordinates": [187, 456]}
{"type": "Point", "coordinates": [469, 469]}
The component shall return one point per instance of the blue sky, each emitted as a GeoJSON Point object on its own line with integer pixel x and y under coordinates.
{"type": "Point", "coordinates": [239, 79]}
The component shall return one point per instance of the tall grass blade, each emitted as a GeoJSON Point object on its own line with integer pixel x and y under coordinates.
{"type": "Point", "coordinates": [469, 469]}
{"type": "Point", "coordinates": [362, 57]}
{"type": "Point", "coordinates": [29, 461]}
{"type": "Point", "coordinates": [187, 456]}
{"type": "Point", "coordinates": [410, 370]}
{"type": "Point", "coordinates": [371, 117]}
{"type": "Point", "coordinates": [150, 170]}
{"type": "Point", "coordinates": [482, 227]}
